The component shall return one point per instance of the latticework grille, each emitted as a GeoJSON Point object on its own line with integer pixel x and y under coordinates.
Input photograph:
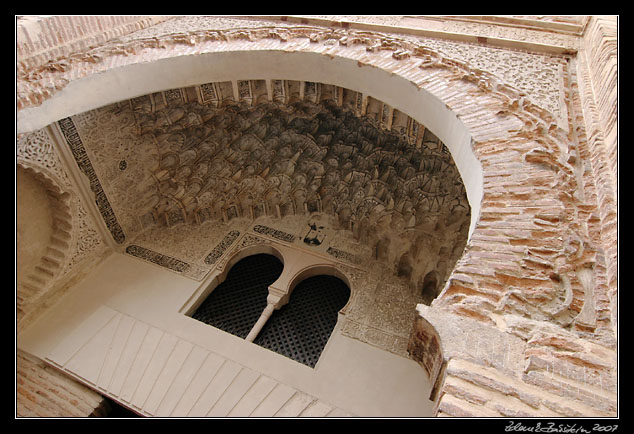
{"type": "Point", "coordinates": [236, 304]}
{"type": "Point", "coordinates": [301, 329]}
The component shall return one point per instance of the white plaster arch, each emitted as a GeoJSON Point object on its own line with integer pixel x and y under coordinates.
{"type": "Point", "coordinates": [136, 79]}
{"type": "Point", "coordinates": [218, 277]}
{"type": "Point", "coordinates": [319, 270]}
{"type": "Point", "coordinates": [251, 250]}
{"type": "Point", "coordinates": [316, 270]}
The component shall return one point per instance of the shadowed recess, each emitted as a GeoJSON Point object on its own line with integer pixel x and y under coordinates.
{"type": "Point", "coordinates": [236, 304]}
{"type": "Point", "coordinates": [301, 329]}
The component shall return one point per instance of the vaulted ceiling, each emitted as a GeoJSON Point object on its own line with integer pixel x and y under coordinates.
{"type": "Point", "coordinates": [278, 148]}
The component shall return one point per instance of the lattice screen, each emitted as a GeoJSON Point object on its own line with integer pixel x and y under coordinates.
{"type": "Point", "coordinates": [301, 329]}
{"type": "Point", "coordinates": [298, 330]}
{"type": "Point", "coordinates": [236, 304]}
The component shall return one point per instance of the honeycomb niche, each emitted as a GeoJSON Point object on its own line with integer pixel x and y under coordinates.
{"type": "Point", "coordinates": [279, 148]}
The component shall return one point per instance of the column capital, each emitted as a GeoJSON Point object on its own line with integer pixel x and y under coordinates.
{"type": "Point", "coordinates": [277, 297]}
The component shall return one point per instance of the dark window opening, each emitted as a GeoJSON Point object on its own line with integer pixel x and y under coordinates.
{"type": "Point", "coordinates": [115, 410]}
{"type": "Point", "coordinates": [301, 328]}
{"type": "Point", "coordinates": [235, 305]}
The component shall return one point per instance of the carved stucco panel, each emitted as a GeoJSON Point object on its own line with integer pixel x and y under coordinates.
{"type": "Point", "coordinates": [111, 144]}
{"type": "Point", "coordinates": [382, 311]}
{"type": "Point", "coordinates": [37, 150]}
{"type": "Point", "coordinates": [537, 76]}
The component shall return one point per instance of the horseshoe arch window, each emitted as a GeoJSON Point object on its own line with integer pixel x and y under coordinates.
{"type": "Point", "coordinates": [299, 330]}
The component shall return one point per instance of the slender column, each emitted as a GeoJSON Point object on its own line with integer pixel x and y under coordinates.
{"type": "Point", "coordinates": [276, 299]}
{"type": "Point", "coordinates": [264, 317]}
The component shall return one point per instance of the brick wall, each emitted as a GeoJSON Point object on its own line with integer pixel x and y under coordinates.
{"type": "Point", "coordinates": [42, 391]}
{"type": "Point", "coordinates": [43, 38]}
{"type": "Point", "coordinates": [598, 100]}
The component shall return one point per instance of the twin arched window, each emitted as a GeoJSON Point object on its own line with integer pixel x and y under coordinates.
{"type": "Point", "coordinates": [299, 330]}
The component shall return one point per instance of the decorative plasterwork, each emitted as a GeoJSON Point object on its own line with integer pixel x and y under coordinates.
{"type": "Point", "coordinates": [539, 77]}
{"type": "Point", "coordinates": [83, 162]}
{"type": "Point", "coordinates": [37, 152]}
{"type": "Point", "coordinates": [382, 313]}
{"type": "Point", "coordinates": [529, 267]}
{"type": "Point", "coordinates": [75, 238]}
{"type": "Point", "coordinates": [208, 154]}
{"type": "Point", "coordinates": [193, 32]}
{"type": "Point", "coordinates": [220, 249]}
